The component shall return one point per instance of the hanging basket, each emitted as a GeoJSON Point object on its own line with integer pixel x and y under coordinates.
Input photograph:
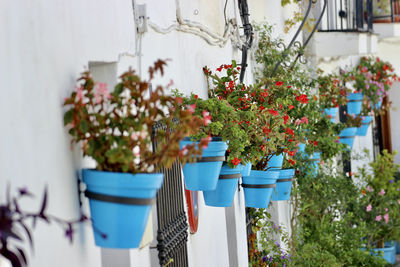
{"type": "Point", "coordinates": [203, 174]}
{"type": "Point", "coordinates": [276, 162]}
{"type": "Point", "coordinates": [283, 185]}
{"type": "Point", "coordinates": [362, 131]}
{"type": "Point", "coordinates": [258, 188]}
{"type": "Point", "coordinates": [246, 169]}
{"type": "Point", "coordinates": [331, 112]}
{"type": "Point", "coordinates": [228, 181]}
{"type": "Point", "coordinates": [120, 204]}
{"type": "Point", "coordinates": [354, 104]}
{"type": "Point", "coordinates": [347, 136]}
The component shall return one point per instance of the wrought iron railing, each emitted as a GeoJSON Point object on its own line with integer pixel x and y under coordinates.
{"type": "Point", "coordinates": [387, 11]}
{"type": "Point", "coordinates": [348, 16]}
{"type": "Point", "coordinates": [172, 234]}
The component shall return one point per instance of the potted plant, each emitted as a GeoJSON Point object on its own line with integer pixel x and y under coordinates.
{"type": "Point", "coordinates": [116, 130]}
{"type": "Point", "coordinates": [348, 134]}
{"type": "Point", "coordinates": [380, 205]}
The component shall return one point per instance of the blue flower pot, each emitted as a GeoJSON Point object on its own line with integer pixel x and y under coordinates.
{"type": "Point", "coordinates": [302, 148]}
{"type": "Point", "coordinates": [246, 169]}
{"type": "Point", "coordinates": [397, 247]}
{"type": "Point", "coordinates": [108, 193]}
{"type": "Point", "coordinates": [275, 162]}
{"type": "Point", "coordinates": [389, 253]}
{"type": "Point", "coordinates": [378, 105]}
{"type": "Point", "coordinates": [258, 188]}
{"type": "Point", "coordinates": [204, 175]}
{"type": "Point", "coordinates": [347, 136]}
{"type": "Point", "coordinates": [227, 184]}
{"type": "Point", "coordinates": [362, 131]}
{"type": "Point", "coordinates": [283, 185]}
{"type": "Point", "coordinates": [316, 158]}
{"type": "Point", "coordinates": [355, 103]}
{"type": "Point", "coordinates": [331, 112]}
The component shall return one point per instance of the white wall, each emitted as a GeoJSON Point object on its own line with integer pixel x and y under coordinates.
{"type": "Point", "coordinates": [45, 45]}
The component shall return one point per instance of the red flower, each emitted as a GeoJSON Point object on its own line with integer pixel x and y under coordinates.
{"type": "Point", "coordinates": [262, 147]}
{"type": "Point", "coordinates": [302, 98]}
{"type": "Point", "coordinates": [290, 131]}
{"type": "Point", "coordinates": [279, 83]}
{"type": "Point", "coordinates": [236, 161]}
{"type": "Point", "coordinates": [291, 161]}
{"type": "Point", "coordinates": [266, 130]}
{"type": "Point", "coordinates": [291, 107]}
{"type": "Point", "coordinates": [196, 96]}
{"type": "Point", "coordinates": [292, 153]}
{"type": "Point", "coordinates": [285, 118]}
{"type": "Point", "coordinates": [219, 69]}
{"type": "Point", "coordinates": [273, 112]}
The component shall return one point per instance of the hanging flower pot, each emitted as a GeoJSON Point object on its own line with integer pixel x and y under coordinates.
{"type": "Point", "coordinates": [362, 131]}
{"type": "Point", "coordinates": [315, 158]}
{"type": "Point", "coordinates": [246, 169]}
{"type": "Point", "coordinates": [276, 161]}
{"type": "Point", "coordinates": [389, 253]}
{"type": "Point", "coordinates": [283, 185]}
{"type": "Point", "coordinates": [347, 136]}
{"type": "Point", "coordinates": [203, 174]}
{"type": "Point", "coordinates": [355, 103]}
{"type": "Point", "coordinates": [227, 184]}
{"type": "Point", "coordinates": [120, 204]}
{"type": "Point", "coordinates": [331, 112]}
{"type": "Point", "coordinates": [258, 188]}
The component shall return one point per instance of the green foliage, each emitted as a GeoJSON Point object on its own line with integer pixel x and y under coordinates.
{"type": "Point", "coordinates": [266, 241]}
{"type": "Point", "coordinates": [116, 129]}
{"type": "Point", "coordinates": [329, 233]}
{"type": "Point", "coordinates": [380, 200]}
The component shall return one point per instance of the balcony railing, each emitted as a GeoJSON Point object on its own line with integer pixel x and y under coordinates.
{"type": "Point", "coordinates": [348, 16]}
{"type": "Point", "coordinates": [386, 11]}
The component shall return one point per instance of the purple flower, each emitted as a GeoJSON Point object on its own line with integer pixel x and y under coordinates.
{"type": "Point", "coordinates": [264, 259]}
{"type": "Point", "coordinates": [277, 244]}
{"type": "Point", "coordinates": [391, 181]}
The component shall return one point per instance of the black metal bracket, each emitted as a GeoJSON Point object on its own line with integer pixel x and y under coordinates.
{"type": "Point", "coordinates": [211, 159]}
{"type": "Point", "coordinates": [230, 176]}
{"type": "Point", "coordinates": [346, 156]}
{"type": "Point", "coordinates": [120, 200]}
{"type": "Point", "coordinates": [284, 180]}
{"type": "Point", "coordinates": [259, 185]}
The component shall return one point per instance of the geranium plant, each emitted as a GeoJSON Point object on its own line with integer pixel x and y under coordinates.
{"type": "Point", "coordinates": [380, 200]}
{"type": "Point", "coordinates": [373, 77]}
{"type": "Point", "coordinates": [14, 225]}
{"type": "Point", "coordinates": [116, 128]}
{"type": "Point", "coordinates": [332, 93]}
{"type": "Point", "coordinates": [267, 123]}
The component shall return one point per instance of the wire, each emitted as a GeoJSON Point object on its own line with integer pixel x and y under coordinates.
{"type": "Point", "coordinates": [231, 31]}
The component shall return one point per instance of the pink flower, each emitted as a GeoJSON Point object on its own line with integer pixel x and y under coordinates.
{"type": "Point", "coordinates": [101, 92]}
{"type": "Point", "coordinates": [398, 201]}
{"type": "Point", "coordinates": [135, 136]}
{"type": "Point", "coordinates": [369, 189]}
{"type": "Point", "coordinates": [382, 192]}
{"type": "Point", "coordinates": [304, 120]}
{"type": "Point", "coordinates": [378, 218]}
{"type": "Point", "coordinates": [208, 139]}
{"type": "Point", "coordinates": [297, 122]}
{"type": "Point", "coordinates": [191, 108]}
{"type": "Point", "coordinates": [207, 117]}
{"type": "Point", "coordinates": [79, 92]}
{"type": "Point", "coordinates": [386, 217]}
{"type": "Point", "coordinates": [369, 208]}
{"type": "Point", "coordinates": [386, 209]}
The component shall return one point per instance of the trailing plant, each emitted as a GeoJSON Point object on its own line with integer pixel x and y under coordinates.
{"type": "Point", "coordinates": [116, 128]}
{"type": "Point", "coordinates": [331, 91]}
{"type": "Point", "coordinates": [14, 225]}
{"type": "Point", "coordinates": [268, 242]}
{"type": "Point", "coordinates": [380, 200]}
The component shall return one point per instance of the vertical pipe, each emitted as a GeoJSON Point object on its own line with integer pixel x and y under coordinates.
{"type": "Point", "coordinates": [391, 10]}
{"type": "Point", "coordinates": [370, 15]}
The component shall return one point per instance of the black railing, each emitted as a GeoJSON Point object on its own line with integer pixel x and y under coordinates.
{"type": "Point", "coordinates": [172, 234]}
{"type": "Point", "coordinates": [348, 16]}
{"type": "Point", "coordinates": [387, 11]}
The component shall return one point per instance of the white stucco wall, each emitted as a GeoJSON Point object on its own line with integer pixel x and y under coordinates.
{"type": "Point", "coordinates": [45, 45]}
